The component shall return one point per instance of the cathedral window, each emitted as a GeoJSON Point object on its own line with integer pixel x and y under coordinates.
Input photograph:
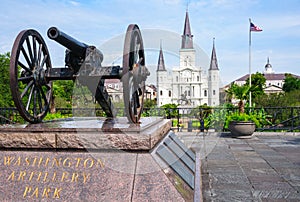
{"type": "Point", "coordinates": [161, 93]}
{"type": "Point", "coordinates": [214, 92]}
{"type": "Point", "coordinates": [198, 78]}
{"type": "Point", "coordinates": [176, 78]}
{"type": "Point", "coordinates": [205, 93]}
{"type": "Point", "coordinates": [170, 93]}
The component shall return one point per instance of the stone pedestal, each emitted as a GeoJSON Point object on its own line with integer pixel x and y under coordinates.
{"type": "Point", "coordinates": [88, 159]}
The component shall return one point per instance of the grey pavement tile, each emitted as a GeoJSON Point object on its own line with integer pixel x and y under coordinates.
{"type": "Point", "coordinates": [222, 156]}
{"type": "Point", "coordinates": [290, 176]}
{"type": "Point", "coordinates": [275, 158]}
{"type": "Point", "coordinates": [281, 165]}
{"type": "Point", "coordinates": [273, 187]}
{"type": "Point", "coordinates": [269, 136]}
{"type": "Point", "coordinates": [245, 153]}
{"type": "Point", "coordinates": [266, 152]}
{"type": "Point", "coordinates": [254, 159]}
{"type": "Point", "coordinates": [224, 163]}
{"type": "Point", "coordinates": [233, 186]}
{"type": "Point", "coordinates": [250, 165]}
{"type": "Point", "coordinates": [294, 159]}
{"type": "Point", "coordinates": [228, 178]}
{"type": "Point", "coordinates": [265, 178]}
{"type": "Point", "coordinates": [287, 149]}
{"type": "Point", "coordinates": [279, 195]}
{"type": "Point", "coordinates": [261, 146]}
{"type": "Point", "coordinates": [234, 195]}
{"type": "Point", "coordinates": [295, 184]}
{"type": "Point", "coordinates": [297, 188]}
{"type": "Point", "coordinates": [259, 171]}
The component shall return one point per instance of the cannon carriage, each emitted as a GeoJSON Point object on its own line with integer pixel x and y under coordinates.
{"type": "Point", "coordinates": [31, 73]}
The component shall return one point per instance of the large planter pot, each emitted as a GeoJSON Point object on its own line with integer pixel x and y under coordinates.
{"type": "Point", "coordinates": [241, 128]}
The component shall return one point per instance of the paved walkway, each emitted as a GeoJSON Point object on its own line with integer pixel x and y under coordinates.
{"type": "Point", "coordinates": [265, 167]}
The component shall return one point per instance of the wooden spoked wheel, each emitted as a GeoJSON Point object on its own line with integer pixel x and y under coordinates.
{"type": "Point", "coordinates": [133, 85]}
{"type": "Point", "coordinates": [30, 62]}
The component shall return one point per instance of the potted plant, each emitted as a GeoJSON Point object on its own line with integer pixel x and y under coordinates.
{"type": "Point", "coordinates": [240, 123]}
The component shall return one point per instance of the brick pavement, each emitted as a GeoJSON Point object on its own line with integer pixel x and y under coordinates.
{"type": "Point", "coordinates": [265, 167]}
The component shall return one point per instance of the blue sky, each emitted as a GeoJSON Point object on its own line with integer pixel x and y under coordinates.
{"type": "Point", "coordinates": [97, 22]}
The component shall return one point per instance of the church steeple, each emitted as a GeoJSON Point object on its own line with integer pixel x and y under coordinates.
{"type": "Point", "coordinates": [161, 61]}
{"type": "Point", "coordinates": [187, 37]}
{"type": "Point", "coordinates": [213, 60]}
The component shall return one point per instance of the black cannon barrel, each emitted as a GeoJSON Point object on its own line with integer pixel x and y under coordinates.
{"type": "Point", "coordinates": [78, 48]}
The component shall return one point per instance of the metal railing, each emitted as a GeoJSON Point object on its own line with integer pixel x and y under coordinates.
{"type": "Point", "coordinates": [184, 119]}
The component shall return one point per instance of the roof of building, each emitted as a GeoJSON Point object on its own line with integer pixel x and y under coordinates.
{"type": "Point", "coordinates": [269, 77]}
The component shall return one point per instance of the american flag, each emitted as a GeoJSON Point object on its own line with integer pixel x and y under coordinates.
{"type": "Point", "coordinates": [254, 28]}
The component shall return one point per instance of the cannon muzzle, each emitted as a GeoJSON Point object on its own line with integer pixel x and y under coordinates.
{"type": "Point", "coordinates": [78, 48]}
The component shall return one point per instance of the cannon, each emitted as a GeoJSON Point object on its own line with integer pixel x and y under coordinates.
{"type": "Point", "coordinates": [31, 73]}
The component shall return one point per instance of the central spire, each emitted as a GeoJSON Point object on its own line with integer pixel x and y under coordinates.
{"type": "Point", "coordinates": [187, 37]}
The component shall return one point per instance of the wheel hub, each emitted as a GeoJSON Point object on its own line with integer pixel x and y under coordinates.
{"type": "Point", "coordinates": [39, 76]}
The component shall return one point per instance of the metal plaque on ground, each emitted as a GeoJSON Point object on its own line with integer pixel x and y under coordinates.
{"type": "Point", "coordinates": [172, 153]}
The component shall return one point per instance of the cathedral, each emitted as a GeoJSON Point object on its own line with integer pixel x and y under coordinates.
{"type": "Point", "coordinates": [188, 85]}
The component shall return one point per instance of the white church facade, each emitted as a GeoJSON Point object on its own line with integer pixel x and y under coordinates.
{"type": "Point", "coordinates": [188, 85]}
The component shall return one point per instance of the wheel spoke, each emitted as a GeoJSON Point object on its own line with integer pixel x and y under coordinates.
{"type": "Point", "coordinates": [34, 49]}
{"type": "Point", "coordinates": [48, 86]}
{"type": "Point", "coordinates": [44, 61]}
{"type": "Point", "coordinates": [25, 79]}
{"type": "Point", "coordinates": [26, 89]}
{"type": "Point", "coordinates": [29, 98]}
{"type": "Point", "coordinates": [39, 54]}
{"type": "Point", "coordinates": [26, 57]}
{"type": "Point", "coordinates": [29, 50]}
{"type": "Point", "coordinates": [24, 67]}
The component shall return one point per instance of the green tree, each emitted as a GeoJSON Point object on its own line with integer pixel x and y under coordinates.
{"type": "Point", "coordinates": [258, 83]}
{"type": "Point", "coordinates": [5, 93]}
{"type": "Point", "coordinates": [171, 110]}
{"type": "Point", "coordinates": [290, 83]}
{"type": "Point", "coordinates": [202, 111]}
{"type": "Point", "coordinates": [63, 91]}
{"type": "Point", "coordinates": [149, 103]}
{"type": "Point", "coordinates": [241, 93]}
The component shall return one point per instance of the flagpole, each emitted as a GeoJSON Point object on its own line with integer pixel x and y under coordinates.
{"type": "Point", "coordinates": [250, 104]}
